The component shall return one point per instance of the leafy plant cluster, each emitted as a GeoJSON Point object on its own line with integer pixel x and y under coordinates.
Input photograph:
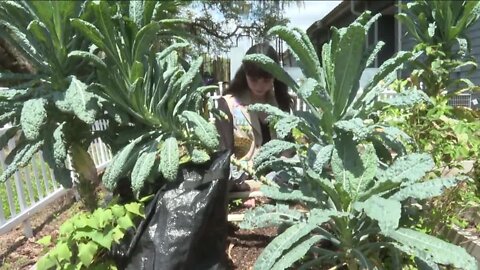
{"type": "Point", "coordinates": [85, 239]}
{"type": "Point", "coordinates": [449, 133]}
{"type": "Point", "coordinates": [354, 176]}
{"type": "Point", "coordinates": [105, 60]}
{"type": "Point", "coordinates": [156, 98]}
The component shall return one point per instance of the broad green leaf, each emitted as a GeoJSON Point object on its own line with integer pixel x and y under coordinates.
{"type": "Point", "coordinates": [144, 40]}
{"type": "Point", "coordinates": [63, 252]}
{"type": "Point", "coordinates": [169, 159]}
{"type": "Point", "coordinates": [118, 211]}
{"type": "Point", "coordinates": [125, 222]}
{"type": "Point", "coordinates": [135, 208]}
{"type": "Point", "coordinates": [46, 262]}
{"type": "Point", "coordinates": [86, 252]}
{"type": "Point", "coordinates": [33, 117]}
{"type": "Point", "coordinates": [100, 239]}
{"type": "Point", "coordinates": [296, 253]}
{"type": "Point", "coordinates": [354, 169]}
{"type": "Point", "coordinates": [425, 190]}
{"type": "Point", "coordinates": [285, 194]}
{"type": "Point", "coordinates": [307, 59]}
{"type": "Point", "coordinates": [280, 244]}
{"type": "Point", "coordinates": [97, 61]}
{"type": "Point", "coordinates": [45, 241]}
{"type": "Point", "coordinates": [266, 63]}
{"type": "Point", "coordinates": [439, 251]}
{"type": "Point", "coordinates": [409, 168]}
{"type": "Point", "coordinates": [386, 212]}
{"type": "Point", "coordinates": [269, 215]}
{"type": "Point", "coordinates": [102, 216]}
{"type": "Point", "coordinates": [271, 150]}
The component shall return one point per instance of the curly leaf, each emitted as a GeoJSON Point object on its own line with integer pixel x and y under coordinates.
{"type": "Point", "coordinates": [285, 125]}
{"type": "Point", "coordinates": [142, 169]}
{"type": "Point", "coordinates": [425, 190]}
{"type": "Point", "coordinates": [296, 253]}
{"type": "Point", "coordinates": [280, 244]}
{"type": "Point", "coordinates": [60, 146]}
{"type": "Point", "coordinates": [169, 159]}
{"type": "Point", "coordinates": [285, 194]}
{"type": "Point", "coordinates": [33, 118]}
{"type": "Point", "coordinates": [97, 61]}
{"type": "Point", "coordinates": [121, 163]}
{"type": "Point", "coordinates": [78, 101]}
{"type": "Point", "coordinates": [203, 130]}
{"type": "Point", "coordinates": [268, 109]}
{"type": "Point", "coordinates": [301, 50]}
{"type": "Point", "coordinates": [269, 215]}
{"type": "Point", "coordinates": [432, 248]}
{"type": "Point", "coordinates": [7, 135]}
{"type": "Point", "coordinates": [318, 157]}
{"type": "Point", "coordinates": [355, 126]}
{"type": "Point", "coordinates": [406, 99]}
{"type": "Point", "coordinates": [200, 156]}
{"type": "Point", "coordinates": [409, 168]}
{"type": "Point", "coordinates": [21, 159]}
{"type": "Point", "coordinates": [266, 63]}
{"type": "Point", "coordinates": [270, 150]}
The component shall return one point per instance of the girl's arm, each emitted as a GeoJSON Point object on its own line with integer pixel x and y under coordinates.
{"type": "Point", "coordinates": [225, 126]}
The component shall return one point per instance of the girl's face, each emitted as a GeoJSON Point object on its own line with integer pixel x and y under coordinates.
{"type": "Point", "coordinates": [259, 86]}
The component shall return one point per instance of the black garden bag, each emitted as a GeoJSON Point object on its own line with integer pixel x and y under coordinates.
{"type": "Point", "coordinates": [185, 225]}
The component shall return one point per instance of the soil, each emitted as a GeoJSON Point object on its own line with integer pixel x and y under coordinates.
{"type": "Point", "coordinates": [19, 252]}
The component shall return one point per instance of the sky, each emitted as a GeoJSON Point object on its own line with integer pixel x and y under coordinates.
{"type": "Point", "coordinates": [301, 17]}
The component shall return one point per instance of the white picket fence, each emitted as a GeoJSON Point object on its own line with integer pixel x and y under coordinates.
{"type": "Point", "coordinates": [33, 187]}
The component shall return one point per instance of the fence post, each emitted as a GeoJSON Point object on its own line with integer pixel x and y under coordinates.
{"type": "Point", "coordinates": [27, 228]}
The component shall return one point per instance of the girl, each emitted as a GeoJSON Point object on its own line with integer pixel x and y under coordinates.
{"type": "Point", "coordinates": [242, 131]}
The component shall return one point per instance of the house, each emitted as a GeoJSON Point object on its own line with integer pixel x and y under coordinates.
{"type": "Point", "coordinates": [390, 31]}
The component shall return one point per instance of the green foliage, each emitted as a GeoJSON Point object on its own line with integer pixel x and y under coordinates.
{"type": "Point", "coordinates": [85, 239]}
{"type": "Point", "coordinates": [328, 92]}
{"type": "Point", "coordinates": [155, 99]}
{"type": "Point", "coordinates": [354, 177]}
{"type": "Point", "coordinates": [439, 28]}
{"type": "Point", "coordinates": [54, 95]}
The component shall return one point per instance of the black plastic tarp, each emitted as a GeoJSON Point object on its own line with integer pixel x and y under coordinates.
{"type": "Point", "coordinates": [186, 222]}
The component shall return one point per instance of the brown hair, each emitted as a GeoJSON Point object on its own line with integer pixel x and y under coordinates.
{"type": "Point", "coordinates": [239, 82]}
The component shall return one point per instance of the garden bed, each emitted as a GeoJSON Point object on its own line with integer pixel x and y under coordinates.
{"type": "Point", "coordinates": [19, 252]}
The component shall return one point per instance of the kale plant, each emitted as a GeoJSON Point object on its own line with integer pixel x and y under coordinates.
{"type": "Point", "coordinates": [352, 177]}
{"type": "Point", "coordinates": [156, 105]}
